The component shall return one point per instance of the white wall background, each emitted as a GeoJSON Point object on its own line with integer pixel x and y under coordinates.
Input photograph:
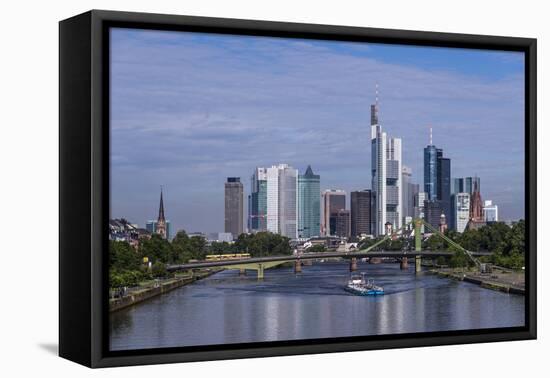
{"type": "Point", "coordinates": [29, 185]}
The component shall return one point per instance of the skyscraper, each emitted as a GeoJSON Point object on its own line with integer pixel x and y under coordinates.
{"type": "Point", "coordinates": [361, 213]}
{"type": "Point", "coordinates": [409, 192]}
{"type": "Point", "coordinates": [309, 204]}
{"type": "Point", "coordinates": [151, 226]}
{"type": "Point", "coordinates": [430, 171]}
{"type": "Point", "coordinates": [432, 212]}
{"type": "Point", "coordinates": [444, 182]}
{"type": "Point", "coordinates": [437, 177]}
{"type": "Point", "coordinates": [340, 223]}
{"type": "Point", "coordinates": [465, 184]}
{"type": "Point", "coordinates": [257, 211]}
{"type": "Point", "coordinates": [333, 200]}
{"type": "Point", "coordinates": [461, 211]}
{"type": "Point", "coordinates": [419, 200]}
{"type": "Point", "coordinates": [234, 198]}
{"type": "Point", "coordinates": [386, 175]}
{"type": "Point", "coordinates": [281, 200]}
{"type": "Point", "coordinates": [470, 183]}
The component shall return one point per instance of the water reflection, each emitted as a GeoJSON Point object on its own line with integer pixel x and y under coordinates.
{"type": "Point", "coordinates": [227, 308]}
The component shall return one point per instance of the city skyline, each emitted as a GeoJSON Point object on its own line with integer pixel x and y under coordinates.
{"type": "Point", "coordinates": [192, 151]}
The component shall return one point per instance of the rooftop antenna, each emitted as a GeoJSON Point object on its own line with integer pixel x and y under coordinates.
{"type": "Point", "coordinates": [376, 96]}
{"type": "Point", "coordinates": [431, 137]}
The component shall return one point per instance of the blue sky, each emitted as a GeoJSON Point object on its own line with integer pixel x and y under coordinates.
{"type": "Point", "coordinates": [190, 109]}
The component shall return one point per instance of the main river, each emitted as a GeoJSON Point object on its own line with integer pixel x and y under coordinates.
{"type": "Point", "coordinates": [228, 308]}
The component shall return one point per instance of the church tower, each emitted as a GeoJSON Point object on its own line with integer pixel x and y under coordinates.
{"type": "Point", "coordinates": [161, 221]}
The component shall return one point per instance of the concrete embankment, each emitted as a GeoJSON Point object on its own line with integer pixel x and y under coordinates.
{"type": "Point", "coordinates": [499, 282]}
{"type": "Point", "coordinates": [138, 296]}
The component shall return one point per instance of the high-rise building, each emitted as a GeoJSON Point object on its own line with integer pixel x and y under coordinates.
{"type": "Point", "coordinates": [437, 177]}
{"type": "Point", "coordinates": [432, 212]}
{"type": "Point", "coordinates": [471, 183]}
{"type": "Point", "coordinates": [309, 204]}
{"type": "Point", "coordinates": [444, 182]}
{"type": "Point", "coordinates": [281, 200]}
{"type": "Point", "coordinates": [361, 213]}
{"type": "Point", "coordinates": [332, 201]}
{"type": "Point", "coordinates": [465, 184]}
{"type": "Point", "coordinates": [461, 211]}
{"type": "Point", "coordinates": [409, 192]}
{"type": "Point", "coordinates": [490, 211]}
{"type": "Point", "coordinates": [257, 208]}
{"type": "Point", "coordinates": [340, 223]}
{"type": "Point", "coordinates": [234, 198]}
{"type": "Point", "coordinates": [386, 176]}
{"type": "Point", "coordinates": [430, 171]}
{"type": "Point", "coordinates": [419, 199]}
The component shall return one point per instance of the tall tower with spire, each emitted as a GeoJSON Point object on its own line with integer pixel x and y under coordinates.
{"type": "Point", "coordinates": [161, 221]}
{"type": "Point", "coordinates": [386, 175]}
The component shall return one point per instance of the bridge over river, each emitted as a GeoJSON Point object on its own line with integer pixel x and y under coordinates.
{"type": "Point", "coordinates": [261, 263]}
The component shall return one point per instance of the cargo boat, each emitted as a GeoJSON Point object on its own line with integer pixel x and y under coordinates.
{"type": "Point", "coordinates": [359, 286]}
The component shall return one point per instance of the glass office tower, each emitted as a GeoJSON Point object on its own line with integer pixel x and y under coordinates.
{"type": "Point", "coordinates": [309, 204]}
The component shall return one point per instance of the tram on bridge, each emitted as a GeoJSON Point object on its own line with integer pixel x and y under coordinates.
{"type": "Point", "coordinates": [228, 256]}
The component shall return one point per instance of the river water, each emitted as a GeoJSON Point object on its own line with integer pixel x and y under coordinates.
{"type": "Point", "coordinates": [228, 308]}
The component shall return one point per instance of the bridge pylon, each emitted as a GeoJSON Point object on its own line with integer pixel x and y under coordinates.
{"type": "Point", "coordinates": [353, 264]}
{"type": "Point", "coordinates": [418, 245]}
{"type": "Point", "coordinates": [297, 266]}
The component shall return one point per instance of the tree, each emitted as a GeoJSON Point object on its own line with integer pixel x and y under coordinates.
{"type": "Point", "coordinates": [122, 256]}
{"type": "Point", "coordinates": [157, 249]}
{"type": "Point", "coordinates": [263, 244]}
{"type": "Point", "coordinates": [197, 246]}
{"type": "Point", "coordinates": [158, 270]}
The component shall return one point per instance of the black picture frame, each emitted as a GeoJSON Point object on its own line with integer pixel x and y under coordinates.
{"type": "Point", "coordinates": [84, 186]}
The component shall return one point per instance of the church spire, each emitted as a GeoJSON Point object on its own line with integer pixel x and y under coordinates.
{"type": "Point", "coordinates": [161, 207]}
{"type": "Point", "coordinates": [161, 221]}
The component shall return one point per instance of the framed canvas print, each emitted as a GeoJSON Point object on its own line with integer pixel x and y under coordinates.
{"type": "Point", "coordinates": [234, 188]}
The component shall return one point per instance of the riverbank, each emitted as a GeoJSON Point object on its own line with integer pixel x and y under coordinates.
{"type": "Point", "coordinates": [138, 295]}
{"type": "Point", "coordinates": [504, 280]}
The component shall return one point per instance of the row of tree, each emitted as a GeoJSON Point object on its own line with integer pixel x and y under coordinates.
{"type": "Point", "coordinates": [507, 244]}
{"type": "Point", "coordinates": [127, 267]}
